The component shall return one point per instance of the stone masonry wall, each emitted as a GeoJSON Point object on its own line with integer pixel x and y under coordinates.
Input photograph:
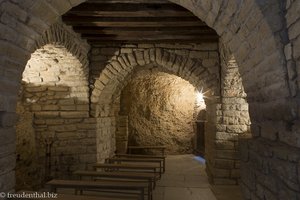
{"type": "Point", "coordinates": [111, 68]}
{"type": "Point", "coordinates": [55, 96]}
{"type": "Point", "coordinates": [270, 160]}
{"type": "Point", "coordinates": [232, 122]}
{"type": "Point", "coordinates": [252, 33]}
{"type": "Point", "coordinates": [160, 109]}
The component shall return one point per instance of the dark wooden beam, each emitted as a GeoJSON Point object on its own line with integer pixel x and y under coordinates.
{"type": "Point", "coordinates": [127, 7]}
{"type": "Point", "coordinates": [132, 22]}
{"type": "Point", "coordinates": [141, 13]}
{"type": "Point", "coordinates": [171, 41]}
{"type": "Point", "coordinates": [144, 31]}
{"type": "Point", "coordinates": [149, 38]}
{"type": "Point", "coordinates": [130, 1]}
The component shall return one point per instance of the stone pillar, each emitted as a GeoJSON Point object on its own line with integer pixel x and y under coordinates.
{"type": "Point", "coordinates": [122, 134]}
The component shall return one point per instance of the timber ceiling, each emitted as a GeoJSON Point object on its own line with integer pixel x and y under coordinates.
{"type": "Point", "coordinates": [137, 21]}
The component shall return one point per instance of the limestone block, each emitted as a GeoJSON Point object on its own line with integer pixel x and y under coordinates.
{"type": "Point", "coordinates": [84, 126]}
{"type": "Point", "coordinates": [236, 129]}
{"type": "Point", "coordinates": [82, 107]}
{"type": "Point", "coordinates": [104, 79]}
{"type": "Point", "coordinates": [227, 154]}
{"type": "Point", "coordinates": [140, 57]}
{"type": "Point", "coordinates": [67, 107]}
{"type": "Point", "coordinates": [53, 121]}
{"type": "Point", "coordinates": [132, 59]}
{"type": "Point", "coordinates": [50, 107]}
{"type": "Point", "coordinates": [147, 56]}
{"type": "Point", "coordinates": [152, 55]}
{"type": "Point", "coordinates": [117, 66]}
{"type": "Point", "coordinates": [228, 136]}
{"type": "Point", "coordinates": [88, 158]}
{"type": "Point", "coordinates": [74, 114]}
{"type": "Point", "coordinates": [225, 144]}
{"type": "Point", "coordinates": [8, 136]}
{"type": "Point", "coordinates": [220, 173]}
{"type": "Point", "coordinates": [66, 102]}
{"type": "Point", "coordinates": [293, 13]}
{"type": "Point", "coordinates": [46, 114]}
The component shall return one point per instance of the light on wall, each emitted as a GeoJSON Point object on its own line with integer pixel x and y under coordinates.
{"type": "Point", "coordinates": [200, 97]}
{"type": "Point", "coordinates": [200, 100]}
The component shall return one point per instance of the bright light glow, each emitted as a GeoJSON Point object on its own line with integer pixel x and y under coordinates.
{"type": "Point", "coordinates": [200, 100]}
{"type": "Point", "coordinates": [200, 97]}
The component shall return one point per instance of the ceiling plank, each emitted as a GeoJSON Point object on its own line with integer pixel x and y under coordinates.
{"type": "Point", "coordinates": [132, 22]}
{"type": "Point", "coordinates": [149, 38]}
{"type": "Point", "coordinates": [130, 1]}
{"type": "Point", "coordinates": [171, 41]}
{"type": "Point", "coordinates": [127, 7]}
{"type": "Point", "coordinates": [141, 13]}
{"type": "Point", "coordinates": [144, 31]}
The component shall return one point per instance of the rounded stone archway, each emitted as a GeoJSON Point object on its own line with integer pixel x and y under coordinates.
{"type": "Point", "coordinates": [268, 63]}
{"type": "Point", "coordinates": [201, 73]}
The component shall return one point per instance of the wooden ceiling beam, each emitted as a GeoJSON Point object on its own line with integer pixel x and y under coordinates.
{"type": "Point", "coordinates": [144, 31]}
{"type": "Point", "coordinates": [171, 41]}
{"type": "Point", "coordinates": [149, 38]}
{"type": "Point", "coordinates": [130, 1]}
{"type": "Point", "coordinates": [132, 22]}
{"type": "Point", "coordinates": [141, 13]}
{"type": "Point", "coordinates": [127, 7]}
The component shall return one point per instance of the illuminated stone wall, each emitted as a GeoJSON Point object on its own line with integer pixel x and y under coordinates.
{"type": "Point", "coordinates": [161, 110]}
{"type": "Point", "coordinates": [227, 122]}
{"type": "Point", "coordinates": [112, 68]}
{"type": "Point", "coordinates": [54, 103]}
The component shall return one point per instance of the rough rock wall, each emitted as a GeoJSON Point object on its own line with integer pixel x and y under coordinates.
{"type": "Point", "coordinates": [107, 57]}
{"type": "Point", "coordinates": [55, 97]}
{"type": "Point", "coordinates": [160, 109]}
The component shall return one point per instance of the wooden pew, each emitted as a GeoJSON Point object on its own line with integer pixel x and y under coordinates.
{"type": "Point", "coordinates": [144, 156]}
{"type": "Point", "coordinates": [102, 186]}
{"type": "Point", "coordinates": [160, 148]}
{"type": "Point", "coordinates": [148, 177]}
{"type": "Point", "coordinates": [122, 176]}
{"type": "Point", "coordinates": [150, 168]}
{"type": "Point", "coordinates": [45, 196]}
{"type": "Point", "coordinates": [159, 161]}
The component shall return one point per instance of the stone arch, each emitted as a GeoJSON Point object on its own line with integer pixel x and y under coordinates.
{"type": "Point", "coordinates": [60, 34]}
{"type": "Point", "coordinates": [203, 75]}
{"type": "Point", "coordinates": [27, 20]}
{"type": "Point", "coordinates": [53, 89]}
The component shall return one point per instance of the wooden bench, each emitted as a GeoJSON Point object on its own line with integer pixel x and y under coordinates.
{"type": "Point", "coordinates": [159, 161]}
{"type": "Point", "coordinates": [72, 197]}
{"type": "Point", "coordinates": [102, 186]}
{"type": "Point", "coordinates": [144, 156]}
{"type": "Point", "coordinates": [160, 148]}
{"type": "Point", "coordinates": [147, 177]}
{"type": "Point", "coordinates": [150, 168]}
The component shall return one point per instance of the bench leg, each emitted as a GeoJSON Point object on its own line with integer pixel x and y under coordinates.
{"type": "Point", "coordinates": [142, 194]}
{"type": "Point", "coordinates": [150, 191]}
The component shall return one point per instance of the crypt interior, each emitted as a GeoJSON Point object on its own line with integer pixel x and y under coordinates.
{"type": "Point", "coordinates": [82, 81]}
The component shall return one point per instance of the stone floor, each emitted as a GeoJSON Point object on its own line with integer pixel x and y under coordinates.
{"type": "Point", "coordinates": [186, 179]}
